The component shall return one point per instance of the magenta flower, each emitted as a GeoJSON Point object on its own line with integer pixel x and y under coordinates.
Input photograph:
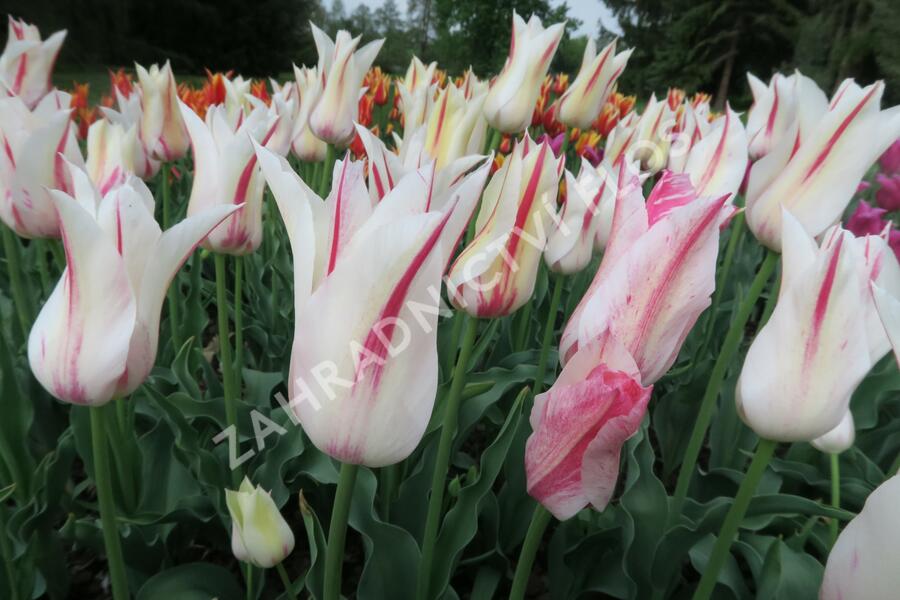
{"type": "Point", "coordinates": [866, 220]}
{"type": "Point", "coordinates": [888, 194]}
{"type": "Point", "coordinates": [890, 160]}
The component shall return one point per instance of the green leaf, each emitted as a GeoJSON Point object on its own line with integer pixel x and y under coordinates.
{"type": "Point", "coordinates": [193, 581]}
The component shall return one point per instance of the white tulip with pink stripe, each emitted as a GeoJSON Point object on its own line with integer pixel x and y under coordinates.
{"type": "Point", "coordinates": [581, 103]}
{"type": "Point", "coordinates": [162, 127]}
{"type": "Point", "coordinates": [716, 163]}
{"type": "Point", "coordinates": [96, 336]}
{"type": "Point", "coordinates": [657, 274]}
{"type": "Point", "coordinates": [777, 106]}
{"type": "Point", "coordinates": [26, 65]}
{"type": "Point", "coordinates": [367, 280]}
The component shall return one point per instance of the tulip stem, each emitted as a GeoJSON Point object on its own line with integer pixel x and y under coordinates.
{"type": "Point", "coordinates": [835, 494]}
{"type": "Point", "coordinates": [172, 292]}
{"type": "Point", "coordinates": [539, 521]}
{"type": "Point", "coordinates": [549, 328]}
{"type": "Point", "coordinates": [442, 460]}
{"type": "Point", "coordinates": [737, 232]}
{"type": "Point", "coordinates": [238, 323]}
{"type": "Point", "coordinates": [20, 298]}
{"type": "Point", "coordinates": [6, 551]}
{"type": "Point", "coordinates": [711, 395]}
{"type": "Point", "coordinates": [328, 167]}
{"type": "Point", "coordinates": [225, 360]}
{"type": "Point", "coordinates": [40, 257]}
{"type": "Point", "coordinates": [337, 531]}
{"type": "Point", "coordinates": [249, 582]}
{"type": "Point", "coordinates": [494, 141]}
{"type": "Point", "coordinates": [389, 481]}
{"type": "Point", "coordinates": [733, 519]}
{"type": "Point", "coordinates": [286, 580]}
{"type": "Point", "coordinates": [107, 506]}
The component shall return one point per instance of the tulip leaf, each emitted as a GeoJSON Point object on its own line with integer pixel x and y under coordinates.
{"type": "Point", "coordinates": [314, 579]}
{"type": "Point", "coordinates": [193, 581]}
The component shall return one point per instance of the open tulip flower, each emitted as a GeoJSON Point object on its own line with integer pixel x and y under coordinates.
{"type": "Point", "coordinates": [815, 175]}
{"type": "Point", "coordinates": [418, 74]}
{"type": "Point", "coordinates": [37, 144]}
{"type": "Point", "coordinates": [128, 116]}
{"type": "Point", "coordinates": [259, 534]}
{"type": "Point", "coordinates": [693, 127]}
{"type": "Point", "coordinates": [381, 345]}
{"type": "Point", "coordinates": [657, 274]}
{"type": "Point", "coordinates": [653, 137]}
{"type": "Point", "coordinates": [621, 139]}
{"type": "Point", "coordinates": [823, 337]}
{"type": "Point", "coordinates": [716, 163]}
{"type": "Point", "coordinates": [305, 145]}
{"type": "Point", "coordinates": [162, 127]}
{"type": "Point", "coordinates": [110, 152]}
{"type": "Point", "coordinates": [26, 65]}
{"type": "Point", "coordinates": [97, 334]}
{"type": "Point", "coordinates": [226, 173]}
{"type": "Point", "coordinates": [455, 127]}
{"type": "Point", "coordinates": [580, 424]}
{"type": "Point", "coordinates": [513, 95]}
{"type": "Point", "coordinates": [863, 563]}
{"type": "Point", "coordinates": [581, 103]}
{"type": "Point", "coordinates": [495, 274]}
{"type": "Point", "coordinates": [342, 68]}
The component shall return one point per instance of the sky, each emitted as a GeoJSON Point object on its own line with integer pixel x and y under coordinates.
{"type": "Point", "coordinates": [587, 11]}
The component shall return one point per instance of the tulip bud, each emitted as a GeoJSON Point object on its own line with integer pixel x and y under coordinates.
{"type": "Point", "coordinates": [579, 426]}
{"type": "Point", "coordinates": [97, 334]}
{"type": "Point", "coordinates": [815, 175]}
{"type": "Point", "coordinates": [162, 126]}
{"type": "Point", "coordinates": [342, 69]}
{"type": "Point", "coordinates": [26, 65]}
{"type": "Point", "coordinates": [305, 145]}
{"type": "Point", "coordinates": [657, 275]}
{"type": "Point", "coordinates": [362, 383]}
{"type": "Point", "coordinates": [513, 95]}
{"type": "Point", "coordinates": [226, 174]}
{"type": "Point", "coordinates": [110, 152]}
{"type": "Point", "coordinates": [812, 353]}
{"type": "Point", "coordinates": [838, 439]}
{"type": "Point", "coordinates": [862, 565]}
{"type": "Point", "coordinates": [259, 534]}
{"type": "Point", "coordinates": [37, 144]}
{"type": "Point", "coordinates": [581, 103]}
{"type": "Point", "coordinates": [495, 274]}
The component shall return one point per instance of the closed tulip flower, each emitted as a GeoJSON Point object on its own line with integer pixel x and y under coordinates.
{"type": "Point", "coordinates": [37, 145]}
{"type": "Point", "coordinates": [110, 152]}
{"type": "Point", "coordinates": [812, 353]}
{"type": "Point", "coordinates": [305, 145]}
{"type": "Point", "coordinates": [590, 200]}
{"type": "Point", "coordinates": [657, 274]}
{"type": "Point", "coordinates": [581, 103]}
{"type": "Point", "coordinates": [129, 115]}
{"type": "Point", "coordinates": [814, 176]}
{"type": "Point", "coordinates": [162, 126]}
{"type": "Point", "coordinates": [514, 93]}
{"type": "Point", "coordinates": [653, 136]}
{"type": "Point", "coordinates": [694, 127]}
{"type": "Point", "coordinates": [862, 565]}
{"type": "Point", "coordinates": [418, 74]}
{"type": "Point", "coordinates": [717, 163]}
{"type": "Point", "coordinates": [621, 140]}
{"type": "Point", "coordinates": [97, 334]}
{"type": "Point", "coordinates": [839, 439]}
{"type": "Point", "coordinates": [26, 65]}
{"type": "Point", "coordinates": [888, 194]}
{"type": "Point", "coordinates": [362, 384]}
{"type": "Point", "coordinates": [342, 68]}
{"type": "Point", "coordinates": [787, 108]}
{"type": "Point", "coordinates": [580, 425]}
{"type": "Point", "coordinates": [495, 274]}
{"type": "Point", "coordinates": [455, 127]}
{"type": "Point", "coordinates": [226, 173]}
{"type": "Point", "coordinates": [259, 534]}
{"type": "Point", "coordinates": [282, 111]}
{"type": "Point", "coordinates": [889, 161]}
{"type": "Point", "coordinates": [416, 105]}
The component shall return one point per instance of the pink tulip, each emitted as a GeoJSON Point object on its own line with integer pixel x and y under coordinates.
{"type": "Point", "coordinates": [866, 220]}
{"type": "Point", "coordinates": [364, 368]}
{"type": "Point", "coordinates": [814, 172]}
{"type": "Point", "coordinates": [26, 65]}
{"type": "Point", "coordinates": [657, 274]}
{"type": "Point", "coordinates": [890, 159]}
{"type": "Point", "coordinates": [96, 336]}
{"type": "Point", "coordinates": [36, 146]}
{"type": "Point", "coordinates": [580, 424]}
{"type": "Point", "coordinates": [888, 194]}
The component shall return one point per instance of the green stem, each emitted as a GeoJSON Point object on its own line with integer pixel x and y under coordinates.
{"type": "Point", "coordinates": [565, 143]}
{"type": "Point", "coordinates": [40, 257]}
{"type": "Point", "coordinates": [708, 404]}
{"type": "Point", "coordinates": [328, 167]}
{"type": "Point", "coordinates": [737, 233]}
{"type": "Point", "coordinates": [107, 506]}
{"type": "Point", "coordinates": [549, 328]}
{"type": "Point", "coordinates": [19, 293]}
{"type": "Point", "coordinates": [389, 481]}
{"type": "Point", "coordinates": [835, 494]}
{"type": "Point", "coordinates": [19, 473]}
{"type": "Point", "coordinates": [238, 323]}
{"type": "Point", "coordinates": [539, 521]}
{"type": "Point", "coordinates": [225, 360]}
{"type": "Point", "coordinates": [172, 294]}
{"type": "Point", "coordinates": [286, 580]}
{"type": "Point", "coordinates": [734, 517]}
{"type": "Point", "coordinates": [249, 582]}
{"type": "Point", "coordinates": [337, 531]}
{"type": "Point", "coordinates": [6, 551]}
{"type": "Point", "coordinates": [458, 319]}
{"type": "Point", "coordinates": [493, 141]}
{"type": "Point", "coordinates": [524, 323]}
{"type": "Point", "coordinates": [442, 460]}
{"type": "Point", "coordinates": [116, 429]}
